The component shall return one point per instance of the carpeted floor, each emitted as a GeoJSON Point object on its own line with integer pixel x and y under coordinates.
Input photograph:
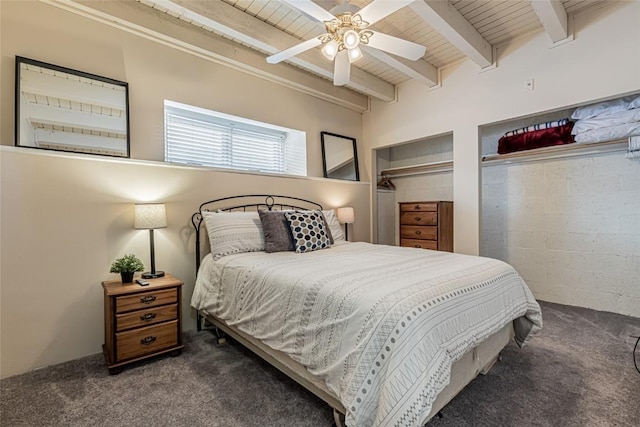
{"type": "Point", "coordinates": [577, 372]}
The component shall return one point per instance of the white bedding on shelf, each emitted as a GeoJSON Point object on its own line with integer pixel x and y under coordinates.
{"type": "Point", "coordinates": [381, 325]}
{"type": "Point", "coordinates": [611, 133]}
{"type": "Point", "coordinates": [606, 120]}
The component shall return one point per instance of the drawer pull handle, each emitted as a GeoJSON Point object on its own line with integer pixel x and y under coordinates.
{"type": "Point", "coordinates": [148, 340]}
{"type": "Point", "coordinates": [418, 218]}
{"type": "Point", "coordinates": [148, 299]}
{"type": "Point", "coordinates": [148, 316]}
{"type": "Point", "coordinates": [418, 232]}
{"type": "Point", "coordinates": [417, 207]}
{"type": "Point", "coordinates": [418, 246]}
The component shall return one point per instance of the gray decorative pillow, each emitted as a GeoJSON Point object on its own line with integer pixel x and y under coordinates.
{"type": "Point", "coordinates": [277, 234]}
{"type": "Point", "coordinates": [308, 231]}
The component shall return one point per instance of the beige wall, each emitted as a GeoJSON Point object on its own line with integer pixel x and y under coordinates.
{"type": "Point", "coordinates": [603, 61]}
{"type": "Point", "coordinates": [65, 218]}
{"type": "Point", "coordinates": [156, 72]}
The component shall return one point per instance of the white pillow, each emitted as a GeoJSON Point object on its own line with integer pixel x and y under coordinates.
{"type": "Point", "coordinates": [233, 232]}
{"type": "Point", "coordinates": [606, 107]}
{"type": "Point", "coordinates": [334, 225]}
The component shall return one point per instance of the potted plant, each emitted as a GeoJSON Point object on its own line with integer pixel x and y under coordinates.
{"type": "Point", "coordinates": [127, 266]}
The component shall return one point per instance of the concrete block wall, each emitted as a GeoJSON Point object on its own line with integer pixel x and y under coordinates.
{"type": "Point", "coordinates": [570, 227]}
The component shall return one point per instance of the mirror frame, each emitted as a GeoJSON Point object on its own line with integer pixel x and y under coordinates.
{"type": "Point", "coordinates": [324, 154]}
{"type": "Point", "coordinates": [56, 68]}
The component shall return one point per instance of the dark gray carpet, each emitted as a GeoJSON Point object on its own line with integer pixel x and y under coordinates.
{"type": "Point", "coordinates": [577, 372]}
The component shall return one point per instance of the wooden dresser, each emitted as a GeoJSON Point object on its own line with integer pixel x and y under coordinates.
{"type": "Point", "coordinates": [427, 225]}
{"type": "Point", "coordinates": [141, 321]}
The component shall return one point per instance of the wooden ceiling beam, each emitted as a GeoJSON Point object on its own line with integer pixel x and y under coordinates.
{"type": "Point", "coordinates": [234, 23]}
{"type": "Point", "coordinates": [446, 19]}
{"type": "Point", "coordinates": [553, 17]}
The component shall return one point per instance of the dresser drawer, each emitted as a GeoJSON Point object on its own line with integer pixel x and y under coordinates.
{"type": "Point", "coordinates": [419, 218]}
{"type": "Point", "coordinates": [146, 300]}
{"type": "Point", "coordinates": [139, 342]}
{"type": "Point", "coordinates": [421, 244]}
{"type": "Point", "coordinates": [146, 317]}
{"type": "Point", "coordinates": [418, 207]}
{"type": "Point", "coordinates": [426, 232]}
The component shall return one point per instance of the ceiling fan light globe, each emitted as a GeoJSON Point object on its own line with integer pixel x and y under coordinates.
{"type": "Point", "coordinates": [329, 50]}
{"type": "Point", "coordinates": [355, 54]}
{"type": "Point", "coordinates": [351, 39]}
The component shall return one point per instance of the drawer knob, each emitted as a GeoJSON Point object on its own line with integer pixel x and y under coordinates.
{"type": "Point", "coordinates": [417, 207]}
{"type": "Point", "coordinates": [417, 218]}
{"type": "Point", "coordinates": [148, 340]}
{"type": "Point", "coordinates": [418, 246]}
{"type": "Point", "coordinates": [148, 299]}
{"type": "Point", "coordinates": [148, 316]}
{"type": "Point", "coordinates": [418, 232]}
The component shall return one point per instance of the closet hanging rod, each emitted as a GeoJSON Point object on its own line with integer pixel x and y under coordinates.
{"type": "Point", "coordinates": [425, 168]}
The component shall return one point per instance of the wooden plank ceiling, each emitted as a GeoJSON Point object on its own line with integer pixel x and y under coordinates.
{"type": "Point", "coordinates": [450, 30]}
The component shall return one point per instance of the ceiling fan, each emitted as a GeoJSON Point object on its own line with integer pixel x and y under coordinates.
{"type": "Point", "coordinates": [347, 28]}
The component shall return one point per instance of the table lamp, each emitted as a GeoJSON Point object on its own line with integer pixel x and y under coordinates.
{"type": "Point", "coordinates": [150, 216]}
{"type": "Point", "coordinates": [345, 216]}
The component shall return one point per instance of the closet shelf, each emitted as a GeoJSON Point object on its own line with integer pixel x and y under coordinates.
{"type": "Point", "coordinates": [556, 151]}
{"type": "Point", "coordinates": [421, 169]}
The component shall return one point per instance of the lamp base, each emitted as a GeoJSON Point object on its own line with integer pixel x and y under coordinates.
{"type": "Point", "coordinates": [150, 275]}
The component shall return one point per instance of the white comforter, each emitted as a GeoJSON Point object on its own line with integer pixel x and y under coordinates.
{"type": "Point", "coordinates": [381, 324]}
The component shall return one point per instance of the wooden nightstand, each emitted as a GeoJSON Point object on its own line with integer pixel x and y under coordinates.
{"type": "Point", "coordinates": [141, 321]}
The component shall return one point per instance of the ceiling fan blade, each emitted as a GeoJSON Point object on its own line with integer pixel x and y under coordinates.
{"type": "Point", "coordinates": [376, 10]}
{"type": "Point", "coordinates": [294, 50]}
{"type": "Point", "coordinates": [311, 9]}
{"type": "Point", "coordinates": [341, 69]}
{"type": "Point", "coordinates": [396, 46]}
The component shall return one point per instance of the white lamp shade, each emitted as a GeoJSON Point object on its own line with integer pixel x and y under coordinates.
{"type": "Point", "coordinates": [351, 39]}
{"type": "Point", "coordinates": [150, 216]}
{"type": "Point", "coordinates": [355, 54]}
{"type": "Point", "coordinates": [330, 50]}
{"type": "Point", "coordinates": [345, 215]}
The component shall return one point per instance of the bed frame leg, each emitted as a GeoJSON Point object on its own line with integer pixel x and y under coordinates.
{"type": "Point", "coordinates": [221, 338]}
{"type": "Point", "coordinates": [338, 418]}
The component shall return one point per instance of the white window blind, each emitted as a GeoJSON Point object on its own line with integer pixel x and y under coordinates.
{"type": "Point", "coordinates": [195, 137]}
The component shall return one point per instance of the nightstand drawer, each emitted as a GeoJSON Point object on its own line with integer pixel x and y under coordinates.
{"type": "Point", "coordinates": [146, 300]}
{"type": "Point", "coordinates": [140, 342]}
{"type": "Point", "coordinates": [426, 232]}
{"type": "Point", "coordinates": [421, 244]}
{"type": "Point", "coordinates": [147, 317]}
{"type": "Point", "coordinates": [418, 207]}
{"type": "Point", "coordinates": [419, 218]}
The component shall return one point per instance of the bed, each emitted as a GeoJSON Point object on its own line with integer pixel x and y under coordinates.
{"type": "Point", "coordinates": [384, 335]}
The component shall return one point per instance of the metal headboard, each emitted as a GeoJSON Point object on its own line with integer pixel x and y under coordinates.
{"type": "Point", "coordinates": [245, 203]}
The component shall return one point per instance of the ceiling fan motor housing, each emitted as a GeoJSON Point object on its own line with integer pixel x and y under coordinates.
{"type": "Point", "coordinates": [348, 30]}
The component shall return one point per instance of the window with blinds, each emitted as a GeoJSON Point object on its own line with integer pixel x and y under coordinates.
{"type": "Point", "coordinates": [196, 136]}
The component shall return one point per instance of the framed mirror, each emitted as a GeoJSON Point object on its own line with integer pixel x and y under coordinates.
{"type": "Point", "coordinates": [339, 157]}
{"type": "Point", "coordinates": [67, 110]}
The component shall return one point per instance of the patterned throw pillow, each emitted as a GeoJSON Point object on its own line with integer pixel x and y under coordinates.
{"type": "Point", "coordinates": [308, 231]}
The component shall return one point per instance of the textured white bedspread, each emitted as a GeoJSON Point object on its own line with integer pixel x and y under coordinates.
{"type": "Point", "coordinates": [381, 324]}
